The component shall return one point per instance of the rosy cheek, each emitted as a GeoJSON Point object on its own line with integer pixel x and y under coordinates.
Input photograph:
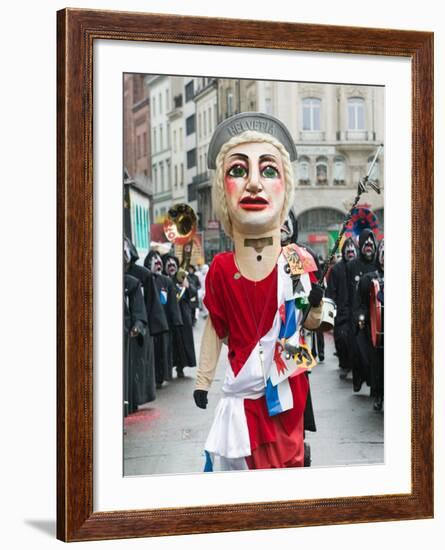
{"type": "Point", "coordinates": [230, 184]}
{"type": "Point", "coordinates": [278, 186]}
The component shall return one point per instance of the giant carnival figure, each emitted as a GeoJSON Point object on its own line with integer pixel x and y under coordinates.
{"type": "Point", "coordinates": [257, 297]}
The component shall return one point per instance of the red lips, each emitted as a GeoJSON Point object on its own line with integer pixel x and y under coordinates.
{"type": "Point", "coordinates": [253, 203]}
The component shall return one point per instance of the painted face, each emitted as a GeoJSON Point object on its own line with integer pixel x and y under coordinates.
{"type": "Point", "coordinates": [170, 267]}
{"type": "Point", "coordinates": [156, 263]}
{"type": "Point", "coordinates": [382, 254]}
{"type": "Point", "coordinates": [254, 186]}
{"type": "Point", "coordinates": [287, 230]}
{"type": "Point", "coordinates": [368, 248]}
{"type": "Point", "coordinates": [350, 252]}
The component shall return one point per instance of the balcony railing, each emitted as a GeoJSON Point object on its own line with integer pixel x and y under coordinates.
{"type": "Point", "coordinates": [310, 135]}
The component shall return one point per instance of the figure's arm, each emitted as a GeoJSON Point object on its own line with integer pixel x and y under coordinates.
{"type": "Point", "coordinates": [313, 319]}
{"type": "Point", "coordinates": [208, 359]}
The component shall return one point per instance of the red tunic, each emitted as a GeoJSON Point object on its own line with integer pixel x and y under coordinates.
{"type": "Point", "coordinates": [243, 311]}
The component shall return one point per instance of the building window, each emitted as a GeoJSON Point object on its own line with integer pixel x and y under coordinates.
{"type": "Point", "coordinates": [311, 114]}
{"type": "Point", "coordinates": [155, 143]}
{"type": "Point", "coordinates": [160, 104]}
{"type": "Point", "coordinates": [191, 158]}
{"type": "Point", "coordinates": [303, 171]}
{"type": "Point", "coordinates": [356, 113]}
{"type": "Point", "coordinates": [168, 136]}
{"type": "Point", "coordinates": [180, 139]}
{"type": "Point", "coordinates": [138, 147]}
{"type": "Point", "coordinates": [153, 106]}
{"type": "Point", "coordinates": [176, 176]}
{"type": "Point", "coordinates": [321, 166]}
{"type": "Point", "coordinates": [189, 91]}
{"type": "Point", "coordinates": [181, 182]}
{"type": "Point", "coordinates": [174, 142]}
{"type": "Point", "coordinates": [169, 176]}
{"type": "Point", "coordinates": [167, 100]}
{"type": "Point", "coordinates": [339, 171]}
{"type": "Point", "coordinates": [205, 123]}
{"type": "Point", "coordinates": [144, 144]}
{"type": "Point", "coordinates": [155, 178]}
{"type": "Point", "coordinates": [161, 183]}
{"type": "Point", "coordinates": [190, 125]}
{"type": "Point", "coordinates": [200, 125]}
{"type": "Point", "coordinates": [210, 120]}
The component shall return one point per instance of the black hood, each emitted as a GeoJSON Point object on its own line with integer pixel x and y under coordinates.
{"type": "Point", "coordinates": [134, 256]}
{"type": "Point", "coordinates": [149, 256]}
{"type": "Point", "coordinates": [361, 240]}
{"type": "Point", "coordinates": [293, 236]}
{"type": "Point", "coordinates": [348, 241]}
{"type": "Point", "coordinates": [166, 257]}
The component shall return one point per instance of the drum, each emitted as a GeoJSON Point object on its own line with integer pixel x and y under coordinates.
{"type": "Point", "coordinates": [375, 315]}
{"type": "Point", "coordinates": [328, 313]}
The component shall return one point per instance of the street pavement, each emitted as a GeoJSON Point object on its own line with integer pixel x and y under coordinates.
{"type": "Point", "coordinates": [167, 436]}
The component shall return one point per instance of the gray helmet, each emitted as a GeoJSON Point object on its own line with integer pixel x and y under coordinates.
{"type": "Point", "coordinates": [243, 122]}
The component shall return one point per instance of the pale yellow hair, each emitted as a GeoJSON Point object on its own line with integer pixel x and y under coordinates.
{"type": "Point", "coordinates": [218, 194]}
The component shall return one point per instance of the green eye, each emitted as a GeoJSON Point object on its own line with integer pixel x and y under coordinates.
{"type": "Point", "coordinates": [270, 172]}
{"type": "Point", "coordinates": [237, 171]}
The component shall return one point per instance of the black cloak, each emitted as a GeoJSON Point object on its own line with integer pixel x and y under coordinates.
{"type": "Point", "coordinates": [183, 341]}
{"type": "Point", "coordinates": [157, 325]}
{"type": "Point", "coordinates": [135, 316]}
{"type": "Point", "coordinates": [162, 344]}
{"type": "Point", "coordinates": [355, 269]}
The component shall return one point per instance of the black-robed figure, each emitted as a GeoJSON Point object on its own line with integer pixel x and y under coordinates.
{"type": "Point", "coordinates": [337, 291]}
{"type": "Point", "coordinates": [355, 269]}
{"type": "Point", "coordinates": [167, 295]}
{"type": "Point", "coordinates": [289, 234]}
{"type": "Point", "coordinates": [157, 325]}
{"type": "Point", "coordinates": [135, 331]}
{"type": "Point", "coordinates": [187, 294]}
{"type": "Point", "coordinates": [375, 354]}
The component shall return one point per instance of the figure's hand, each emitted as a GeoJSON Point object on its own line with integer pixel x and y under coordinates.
{"type": "Point", "coordinates": [185, 283]}
{"type": "Point", "coordinates": [200, 397]}
{"type": "Point", "coordinates": [135, 331]}
{"type": "Point", "coordinates": [316, 295]}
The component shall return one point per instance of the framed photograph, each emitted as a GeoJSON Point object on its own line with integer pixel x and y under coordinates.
{"type": "Point", "coordinates": [139, 99]}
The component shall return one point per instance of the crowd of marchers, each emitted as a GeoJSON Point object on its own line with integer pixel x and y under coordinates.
{"type": "Point", "coordinates": [161, 308]}
{"type": "Point", "coordinates": [356, 284]}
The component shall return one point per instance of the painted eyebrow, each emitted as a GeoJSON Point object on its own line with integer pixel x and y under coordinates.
{"type": "Point", "coordinates": [266, 156]}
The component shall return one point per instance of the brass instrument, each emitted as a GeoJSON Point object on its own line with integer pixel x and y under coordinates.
{"type": "Point", "coordinates": [180, 229]}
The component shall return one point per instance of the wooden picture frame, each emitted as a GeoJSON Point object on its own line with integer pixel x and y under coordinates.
{"type": "Point", "coordinates": [77, 31]}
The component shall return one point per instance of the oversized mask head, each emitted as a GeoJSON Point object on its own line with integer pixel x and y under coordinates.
{"type": "Point", "coordinates": [253, 187]}
{"type": "Point", "coordinates": [171, 265]}
{"type": "Point", "coordinates": [367, 245]}
{"type": "Point", "coordinates": [368, 248]}
{"type": "Point", "coordinates": [154, 263]}
{"type": "Point", "coordinates": [349, 251]}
